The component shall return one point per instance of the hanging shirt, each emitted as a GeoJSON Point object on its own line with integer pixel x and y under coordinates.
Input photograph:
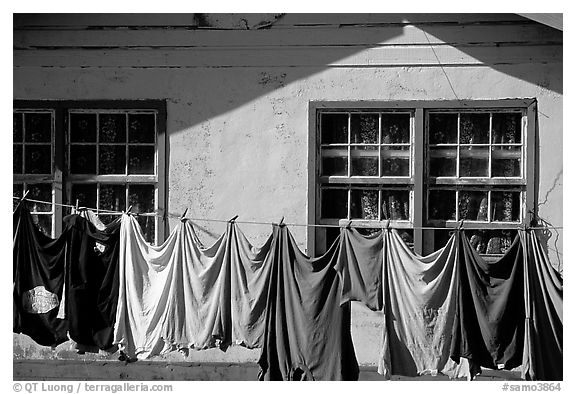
{"type": "Point", "coordinates": [417, 295]}
{"type": "Point", "coordinates": [307, 333]}
{"type": "Point", "coordinates": [491, 311]}
{"type": "Point", "coordinates": [543, 288]}
{"type": "Point", "coordinates": [92, 281]}
{"type": "Point", "coordinates": [38, 280]}
{"type": "Point", "coordinates": [182, 295]}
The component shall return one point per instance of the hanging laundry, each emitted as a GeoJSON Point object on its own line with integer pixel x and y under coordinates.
{"type": "Point", "coordinates": [307, 333]}
{"type": "Point", "coordinates": [359, 267]}
{"type": "Point", "coordinates": [542, 358]}
{"type": "Point", "coordinates": [490, 330]}
{"type": "Point", "coordinates": [93, 218]}
{"type": "Point", "coordinates": [182, 295]}
{"type": "Point", "coordinates": [417, 295]}
{"type": "Point", "coordinates": [38, 280]}
{"type": "Point", "coordinates": [91, 282]}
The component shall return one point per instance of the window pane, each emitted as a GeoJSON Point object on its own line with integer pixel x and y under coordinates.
{"type": "Point", "coordinates": [83, 127]}
{"type": "Point", "coordinates": [364, 129]}
{"type": "Point", "coordinates": [141, 159]}
{"type": "Point", "coordinates": [112, 159]}
{"type": "Point", "coordinates": [141, 197]}
{"type": "Point", "coordinates": [112, 128]}
{"type": "Point", "coordinates": [85, 194]}
{"type": "Point", "coordinates": [506, 161]}
{"type": "Point", "coordinates": [395, 128]}
{"type": "Point", "coordinates": [441, 238]}
{"type": "Point", "coordinates": [474, 128]}
{"type": "Point", "coordinates": [364, 160]}
{"type": "Point", "coordinates": [395, 204]}
{"type": "Point", "coordinates": [506, 128]}
{"type": "Point", "coordinates": [17, 159]}
{"type": "Point", "coordinates": [474, 161]}
{"type": "Point", "coordinates": [442, 161]}
{"type": "Point", "coordinates": [38, 159]}
{"type": "Point", "coordinates": [364, 204]}
{"type": "Point", "coordinates": [17, 128]}
{"type": "Point", "coordinates": [334, 161]}
{"type": "Point", "coordinates": [473, 205]}
{"type": "Point", "coordinates": [43, 223]}
{"type": "Point", "coordinates": [443, 129]}
{"type": "Point", "coordinates": [83, 159]}
{"type": "Point", "coordinates": [334, 129]}
{"type": "Point", "coordinates": [148, 225]}
{"type": "Point", "coordinates": [141, 128]}
{"type": "Point", "coordinates": [505, 206]}
{"type": "Point", "coordinates": [40, 192]}
{"type": "Point", "coordinates": [491, 241]}
{"type": "Point", "coordinates": [395, 161]}
{"type": "Point", "coordinates": [38, 127]}
{"type": "Point", "coordinates": [334, 203]}
{"type": "Point", "coordinates": [442, 204]}
{"type": "Point", "coordinates": [112, 197]}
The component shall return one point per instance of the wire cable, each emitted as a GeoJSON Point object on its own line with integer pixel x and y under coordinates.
{"type": "Point", "coordinates": [379, 225]}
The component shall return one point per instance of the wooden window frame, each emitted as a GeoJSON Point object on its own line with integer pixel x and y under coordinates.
{"type": "Point", "coordinates": [61, 179]}
{"type": "Point", "coordinates": [420, 108]}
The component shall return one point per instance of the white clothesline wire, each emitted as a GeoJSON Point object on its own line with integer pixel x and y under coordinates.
{"type": "Point", "coordinates": [387, 224]}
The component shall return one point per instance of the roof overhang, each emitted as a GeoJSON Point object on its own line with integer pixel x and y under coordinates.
{"type": "Point", "coordinates": [552, 20]}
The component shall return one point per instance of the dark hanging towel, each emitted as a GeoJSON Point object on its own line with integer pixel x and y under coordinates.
{"type": "Point", "coordinates": [307, 334]}
{"type": "Point", "coordinates": [91, 282]}
{"type": "Point", "coordinates": [490, 324]}
{"type": "Point", "coordinates": [544, 324]}
{"type": "Point", "coordinates": [38, 279]}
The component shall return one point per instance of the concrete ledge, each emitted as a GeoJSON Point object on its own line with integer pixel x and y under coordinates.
{"type": "Point", "coordinates": [178, 371]}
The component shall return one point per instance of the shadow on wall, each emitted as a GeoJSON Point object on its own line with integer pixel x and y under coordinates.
{"type": "Point", "coordinates": [285, 47]}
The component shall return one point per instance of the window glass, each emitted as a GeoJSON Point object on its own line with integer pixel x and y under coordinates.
{"type": "Point", "coordinates": [112, 128]}
{"type": "Point", "coordinates": [334, 129]}
{"type": "Point", "coordinates": [142, 128]}
{"type": "Point", "coordinates": [82, 127]}
{"type": "Point", "coordinates": [364, 204]}
{"type": "Point", "coordinates": [38, 127]}
{"type": "Point", "coordinates": [334, 203]}
{"type": "Point", "coordinates": [364, 128]}
{"type": "Point", "coordinates": [396, 204]}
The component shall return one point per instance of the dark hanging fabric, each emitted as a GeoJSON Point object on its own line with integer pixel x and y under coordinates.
{"type": "Point", "coordinates": [307, 333]}
{"type": "Point", "coordinates": [360, 268]}
{"type": "Point", "coordinates": [91, 282]}
{"type": "Point", "coordinates": [38, 280]}
{"type": "Point", "coordinates": [490, 324]}
{"type": "Point", "coordinates": [544, 324]}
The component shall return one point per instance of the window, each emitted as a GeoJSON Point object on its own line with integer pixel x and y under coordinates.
{"type": "Point", "coordinates": [33, 164]}
{"type": "Point", "coordinates": [423, 164]}
{"type": "Point", "coordinates": [103, 155]}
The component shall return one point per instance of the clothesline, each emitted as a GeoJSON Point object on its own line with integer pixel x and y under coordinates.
{"type": "Point", "coordinates": [176, 216]}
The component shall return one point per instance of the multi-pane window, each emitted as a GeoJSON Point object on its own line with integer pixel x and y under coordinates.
{"type": "Point", "coordinates": [112, 162]}
{"type": "Point", "coordinates": [482, 148]}
{"type": "Point", "coordinates": [365, 165]}
{"type": "Point", "coordinates": [426, 165]}
{"type": "Point", "coordinates": [33, 164]}
{"type": "Point", "coordinates": [107, 158]}
{"type": "Point", "coordinates": [476, 172]}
